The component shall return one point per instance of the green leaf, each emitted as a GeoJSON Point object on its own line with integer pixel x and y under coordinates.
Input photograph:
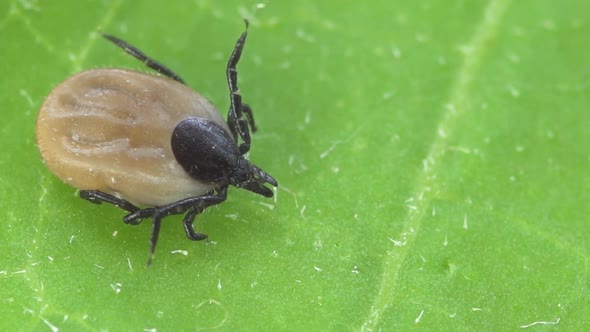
{"type": "Point", "coordinates": [433, 161]}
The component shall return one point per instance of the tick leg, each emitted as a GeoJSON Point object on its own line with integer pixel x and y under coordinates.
{"type": "Point", "coordinates": [239, 117]}
{"type": "Point", "coordinates": [247, 111]}
{"type": "Point", "coordinates": [242, 127]}
{"type": "Point", "coordinates": [198, 202]}
{"type": "Point", "coordinates": [189, 218]}
{"type": "Point", "coordinates": [155, 233]}
{"type": "Point", "coordinates": [194, 205]}
{"type": "Point", "coordinates": [138, 54]}
{"type": "Point", "coordinates": [135, 217]}
{"type": "Point", "coordinates": [99, 197]}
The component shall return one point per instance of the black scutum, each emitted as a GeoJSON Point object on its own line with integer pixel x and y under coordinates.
{"type": "Point", "coordinates": [204, 150]}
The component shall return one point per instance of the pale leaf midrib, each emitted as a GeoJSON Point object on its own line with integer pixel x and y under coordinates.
{"type": "Point", "coordinates": [426, 181]}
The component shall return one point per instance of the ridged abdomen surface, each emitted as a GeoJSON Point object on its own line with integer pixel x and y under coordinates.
{"type": "Point", "coordinates": [110, 130]}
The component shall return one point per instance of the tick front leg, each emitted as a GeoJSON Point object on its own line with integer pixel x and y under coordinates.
{"type": "Point", "coordinates": [239, 117]}
{"type": "Point", "coordinates": [247, 111]}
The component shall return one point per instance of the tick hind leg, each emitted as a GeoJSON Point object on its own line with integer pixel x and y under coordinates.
{"type": "Point", "coordinates": [99, 197]}
{"type": "Point", "coordinates": [139, 55]}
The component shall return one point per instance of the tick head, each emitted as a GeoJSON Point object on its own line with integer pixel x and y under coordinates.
{"type": "Point", "coordinates": [250, 177]}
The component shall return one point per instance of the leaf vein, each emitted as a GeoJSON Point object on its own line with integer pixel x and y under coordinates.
{"type": "Point", "coordinates": [426, 182]}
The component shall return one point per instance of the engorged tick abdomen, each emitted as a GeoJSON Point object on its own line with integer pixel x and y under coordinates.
{"type": "Point", "coordinates": [110, 130]}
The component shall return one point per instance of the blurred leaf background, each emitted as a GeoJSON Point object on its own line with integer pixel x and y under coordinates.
{"type": "Point", "coordinates": [433, 160]}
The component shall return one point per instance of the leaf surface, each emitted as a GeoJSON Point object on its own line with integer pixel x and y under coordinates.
{"type": "Point", "coordinates": [433, 162]}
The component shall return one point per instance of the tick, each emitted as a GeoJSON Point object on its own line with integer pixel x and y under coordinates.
{"type": "Point", "coordinates": [148, 144]}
